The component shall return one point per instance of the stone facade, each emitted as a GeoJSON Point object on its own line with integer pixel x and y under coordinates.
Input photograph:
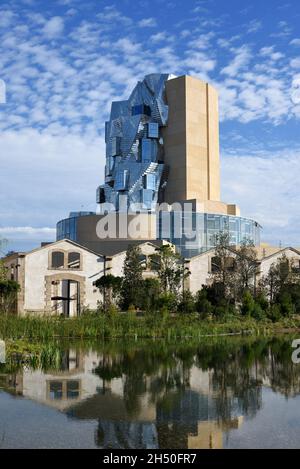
{"type": "Point", "coordinates": [201, 266]}
{"type": "Point", "coordinates": [69, 288]}
{"type": "Point", "coordinates": [41, 281]}
{"type": "Point", "coordinates": [65, 288]}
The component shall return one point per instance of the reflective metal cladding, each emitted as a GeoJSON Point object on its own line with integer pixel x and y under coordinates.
{"type": "Point", "coordinates": [134, 147]}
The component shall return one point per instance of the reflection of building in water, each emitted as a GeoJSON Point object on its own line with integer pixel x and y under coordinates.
{"type": "Point", "coordinates": [149, 413]}
{"type": "Point", "coordinates": [73, 382]}
{"type": "Point", "coordinates": [193, 419]}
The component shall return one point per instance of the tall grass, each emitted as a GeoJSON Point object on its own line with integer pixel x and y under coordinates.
{"type": "Point", "coordinates": [99, 326]}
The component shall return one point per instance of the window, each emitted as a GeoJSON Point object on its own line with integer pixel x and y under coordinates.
{"type": "Point", "coordinates": [100, 195]}
{"type": "Point", "coordinates": [233, 224]}
{"type": "Point", "coordinates": [74, 260]}
{"type": "Point", "coordinates": [143, 261]}
{"type": "Point", "coordinates": [149, 181]}
{"type": "Point", "coordinates": [153, 130]}
{"type": "Point", "coordinates": [147, 196]}
{"type": "Point", "coordinates": [106, 130]}
{"type": "Point", "coordinates": [295, 266]}
{"type": "Point", "coordinates": [57, 260]}
{"type": "Point", "coordinates": [230, 264]}
{"type": "Point", "coordinates": [72, 389]}
{"type": "Point", "coordinates": [141, 109]}
{"type": "Point", "coordinates": [154, 262]}
{"type": "Point", "coordinates": [115, 146]}
{"type": "Point", "coordinates": [65, 389]}
{"type": "Point", "coordinates": [216, 264]}
{"type": "Point", "coordinates": [148, 150]}
{"type": "Point", "coordinates": [55, 390]}
{"type": "Point", "coordinates": [121, 180]}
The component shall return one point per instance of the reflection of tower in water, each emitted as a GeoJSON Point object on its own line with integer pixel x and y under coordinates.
{"type": "Point", "coordinates": [183, 420]}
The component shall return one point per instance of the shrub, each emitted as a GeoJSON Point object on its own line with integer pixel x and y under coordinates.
{"type": "Point", "coordinates": [257, 312]}
{"type": "Point", "coordinates": [274, 313]}
{"type": "Point", "coordinates": [187, 303]}
{"type": "Point", "coordinates": [248, 304]}
{"type": "Point", "coordinates": [286, 305]}
{"type": "Point", "coordinates": [167, 301]}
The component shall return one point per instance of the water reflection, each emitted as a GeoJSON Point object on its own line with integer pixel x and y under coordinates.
{"type": "Point", "coordinates": [157, 395]}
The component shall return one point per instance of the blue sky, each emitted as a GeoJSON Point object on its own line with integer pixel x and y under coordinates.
{"type": "Point", "coordinates": [64, 61]}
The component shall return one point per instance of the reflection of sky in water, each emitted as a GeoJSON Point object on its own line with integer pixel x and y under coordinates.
{"type": "Point", "coordinates": [276, 425]}
{"type": "Point", "coordinates": [26, 424]}
{"type": "Point", "coordinates": [141, 399]}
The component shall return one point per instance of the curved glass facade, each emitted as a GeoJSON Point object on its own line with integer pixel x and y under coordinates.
{"type": "Point", "coordinates": [67, 229]}
{"type": "Point", "coordinates": [191, 232]}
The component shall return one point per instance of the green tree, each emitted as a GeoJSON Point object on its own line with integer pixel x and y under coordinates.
{"type": "Point", "coordinates": [187, 303]}
{"type": "Point", "coordinates": [202, 303]}
{"type": "Point", "coordinates": [277, 279]}
{"type": "Point", "coordinates": [224, 266]}
{"type": "Point", "coordinates": [287, 308]}
{"type": "Point", "coordinates": [150, 294]}
{"type": "Point", "coordinates": [245, 267]}
{"type": "Point", "coordinates": [248, 304]}
{"type": "Point", "coordinates": [170, 268]}
{"type": "Point", "coordinates": [8, 295]}
{"type": "Point", "coordinates": [133, 278]}
{"type": "Point", "coordinates": [110, 287]}
{"type": "Point", "coordinates": [3, 269]}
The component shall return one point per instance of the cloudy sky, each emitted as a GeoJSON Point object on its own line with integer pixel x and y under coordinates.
{"type": "Point", "coordinates": [64, 61]}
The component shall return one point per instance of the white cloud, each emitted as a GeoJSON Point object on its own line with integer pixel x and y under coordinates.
{"type": "Point", "coordinates": [27, 231]}
{"type": "Point", "coordinates": [240, 61]}
{"type": "Point", "coordinates": [147, 23]}
{"type": "Point", "coordinates": [54, 27]}
{"type": "Point", "coordinates": [295, 42]}
{"type": "Point", "coordinates": [203, 41]}
{"type": "Point", "coordinates": [254, 26]}
{"type": "Point", "coordinates": [284, 30]}
{"type": "Point", "coordinates": [270, 53]}
{"type": "Point", "coordinates": [162, 36]}
{"type": "Point", "coordinates": [295, 63]}
{"type": "Point", "coordinates": [47, 176]}
{"type": "Point", "coordinates": [265, 185]}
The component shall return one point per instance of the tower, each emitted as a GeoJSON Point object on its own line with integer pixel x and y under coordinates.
{"type": "Point", "coordinates": [162, 146]}
{"type": "Point", "coordinates": [191, 141]}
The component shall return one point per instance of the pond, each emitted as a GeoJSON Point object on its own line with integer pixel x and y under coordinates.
{"type": "Point", "coordinates": [219, 393]}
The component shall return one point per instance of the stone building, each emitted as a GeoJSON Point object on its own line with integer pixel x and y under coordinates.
{"type": "Point", "coordinates": [58, 278]}
{"type": "Point", "coordinates": [202, 266]}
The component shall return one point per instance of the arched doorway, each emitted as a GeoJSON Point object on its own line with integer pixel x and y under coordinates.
{"type": "Point", "coordinates": [64, 294]}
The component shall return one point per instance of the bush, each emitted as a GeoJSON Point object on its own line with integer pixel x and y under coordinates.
{"type": "Point", "coordinates": [202, 304]}
{"type": "Point", "coordinates": [187, 303]}
{"type": "Point", "coordinates": [262, 301]}
{"type": "Point", "coordinates": [150, 294]}
{"type": "Point", "coordinates": [286, 305]}
{"type": "Point", "coordinates": [167, 301]}
{"type": "Point", "coordinates": [257, 312]}
{"type": "Point", "coordinates": [248, 304]}
{"type": "Point", "coordinates": [274, 313]}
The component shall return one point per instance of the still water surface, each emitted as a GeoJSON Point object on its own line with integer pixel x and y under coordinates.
{"type": "Point", "coordinates": [225, 393]}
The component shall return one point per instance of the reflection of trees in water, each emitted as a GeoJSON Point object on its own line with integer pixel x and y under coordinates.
{"type": "Point", "coordinates": [158, 375]}
{"type": "Point", "coordinates": [283, 375]}
{"type": "Point", "coordinates": [237, 371]}
{"type": "Point", "coordinates": [143, 371]}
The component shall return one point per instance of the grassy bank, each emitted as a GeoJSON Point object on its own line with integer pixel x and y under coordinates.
{"type": "Point", "coordinates": [129, 326]}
